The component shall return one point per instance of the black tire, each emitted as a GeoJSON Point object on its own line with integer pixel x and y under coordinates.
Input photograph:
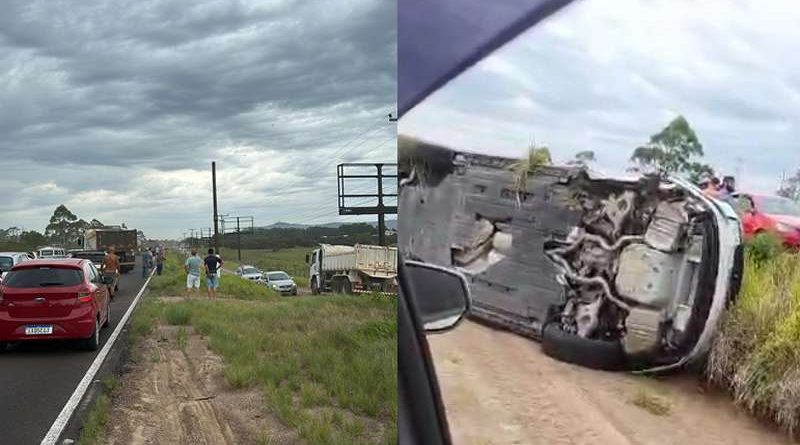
{"type": "Point", "coordinates": [314, 287]}
{"type": "Point", "coordinates": [347, 287]}
{"type": "Point", "coordinates": [336, 287]}
{"type": "Point", "coordinates": [3, 346]}
{"type": "Point", "coordinates": [594, 354]}
{"type": "Point", "coordinates": [93, 342]}
{"type": "Point", "coordinates": [108, 315]}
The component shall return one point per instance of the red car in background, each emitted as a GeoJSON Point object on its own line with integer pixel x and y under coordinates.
{"type": "Point", "coordinates": [54, 299]}
{"type": "Point", "coordinates": [770, 214]}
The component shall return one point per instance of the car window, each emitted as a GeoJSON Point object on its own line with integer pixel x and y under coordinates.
{"type": "Point", "coordinates": [250, 270]}
{"type": "Point", "coordinates": [278, 276]}
{"type": "Point", "coordinates": [5, 263]}
{"type": "Point", "coordinates": [43, 276]}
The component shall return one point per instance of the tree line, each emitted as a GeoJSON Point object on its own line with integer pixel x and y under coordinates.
{"type": "Point", "coordinates": [282, 238]}
{"type": "Point", "coordinates": [64, 229]}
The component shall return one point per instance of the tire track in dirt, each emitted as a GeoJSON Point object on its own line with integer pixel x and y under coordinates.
{"type": "Point", "coordinates": [500, 389]}
{"type": "Point", "coordinates": [176, 394]}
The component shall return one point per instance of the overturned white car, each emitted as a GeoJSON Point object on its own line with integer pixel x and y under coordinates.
{"type": "Point", "coordinates": [611, 273]}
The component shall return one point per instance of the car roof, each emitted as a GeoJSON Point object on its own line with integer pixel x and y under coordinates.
{"type": "Point", "coordinates": [70, 262]}
{"type": "Point", "coordinates": [12, 253]}
{"type": "Point", "coordinates": [277, 271]}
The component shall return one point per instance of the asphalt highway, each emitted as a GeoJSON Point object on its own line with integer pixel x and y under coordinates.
{"type": "Point", "coordinates": [36, 379]}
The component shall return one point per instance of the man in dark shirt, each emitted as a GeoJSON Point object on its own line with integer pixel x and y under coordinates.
{"type": "Point", "coordinates": [213, 265]}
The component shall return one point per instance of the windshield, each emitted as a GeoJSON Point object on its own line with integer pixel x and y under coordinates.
{"type": "Point", "coordinates": [278, 276]}
{"type": "Point", "coordinates": [250, 270]}
{"type": "Point", "coordinates": [778, 206]}
{"type": "Point", "coordinates": [43, 277]}
{"type": "Point", "coordinates": [5, 263]}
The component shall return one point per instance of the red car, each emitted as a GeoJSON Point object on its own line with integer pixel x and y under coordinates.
{"type": "Point", "coordinates": [773, 214]}
{"type": "Point", "coordinates": [54, 299]}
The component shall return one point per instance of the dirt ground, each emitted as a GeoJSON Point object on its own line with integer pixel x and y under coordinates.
{"type": "Point", "coordinates": [176, 394]}
{"type": "Point", "coordinates": [500, 389]}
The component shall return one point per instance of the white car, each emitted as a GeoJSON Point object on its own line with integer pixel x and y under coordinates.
{"type": "Point", "coordinates": [249, 273]}
{"type": "Point", "coordinates": [280, 281]}
{"type": "Point", "coordinates": [11, 259]}
{"type": "Point", "coordinates": [51, 253]}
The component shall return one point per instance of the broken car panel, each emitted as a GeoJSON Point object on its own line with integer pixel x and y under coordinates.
{"type": "Point", "coordinates": [612, 273]}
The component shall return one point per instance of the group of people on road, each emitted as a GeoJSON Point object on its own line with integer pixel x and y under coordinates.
{"type": "Point", "coordinates": [211, 265]}
{"type": "Point", "coordinates": [153, 257]}
{"type": "Point", "coordinates": [715, 188]}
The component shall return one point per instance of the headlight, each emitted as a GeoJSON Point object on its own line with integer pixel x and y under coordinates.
{"type": "Point", "coordinates": [784, 228]}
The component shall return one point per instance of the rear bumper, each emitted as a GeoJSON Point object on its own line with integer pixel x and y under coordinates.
{"type": "Point", "coordinates": [79, 324]}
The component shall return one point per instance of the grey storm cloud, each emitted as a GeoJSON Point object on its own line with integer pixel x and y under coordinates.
{"type": "Point", "coordinates": [125, 97]}
{"type": "Point", "coordinates": [606, 74]}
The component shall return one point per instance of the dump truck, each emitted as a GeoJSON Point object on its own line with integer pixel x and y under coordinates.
{"type": "Point", "coordinates": [348, 269]}
{"type": "Point", "coordinates": [123, 242]}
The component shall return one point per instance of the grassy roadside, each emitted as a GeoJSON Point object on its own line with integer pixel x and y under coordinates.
{"type": "Point", "coordinates": [291, 261]}
{"type": "Point", "coordinates": [327, 366]}
{"type": "Point", "coordinates": [756, 356]}
{"type": "Point", "coordinates": [97, 417]}
{"type": "Point", "coordinates": [173, 283]}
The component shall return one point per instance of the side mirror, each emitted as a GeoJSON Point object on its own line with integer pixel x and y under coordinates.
{"type": "Point", "coordinates": [108, 280]}
{"type": "Point", "coordinates": [441, 295]}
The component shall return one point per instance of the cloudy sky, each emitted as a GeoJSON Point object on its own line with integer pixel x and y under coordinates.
{"type": "Point", "coordinates": [604, 75]}
{"type": "Point", "coordinates": [117, 109]}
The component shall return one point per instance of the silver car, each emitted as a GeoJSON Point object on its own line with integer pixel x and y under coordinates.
{"type": "Point", "coordinates": [249, 273]}
{"type": "Point", "coordinates": [280, 281]}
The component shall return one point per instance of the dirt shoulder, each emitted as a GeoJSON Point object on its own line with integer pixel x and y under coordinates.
{"type": "Point", "coordinates": [500, 389]}
{"type": "Point", "coordinates": [175, 393]}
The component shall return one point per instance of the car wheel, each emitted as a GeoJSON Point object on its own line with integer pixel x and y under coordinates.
{"type": "Point", "coordinates": [3, 346]}
{"type": "Point", "coordinates": [108, 315]}
{"type": "Point", "coordinates": [93, 342]}
{"type": "Point", "coordinates": [591, 353]}
{"type": "Point", "coordinates": [347, 287]}
{"type": "Point", "coordinates": [314, 287]}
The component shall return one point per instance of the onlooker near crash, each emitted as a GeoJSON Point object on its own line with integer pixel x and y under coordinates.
{"type": "Point", "coordinates": [192, 266]}
{"type": "Point", "coordinates": [110, 267]}
{"type": "Point", "coordinates": [213, 267]}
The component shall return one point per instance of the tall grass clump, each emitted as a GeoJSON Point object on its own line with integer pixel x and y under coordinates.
{"type": "Point", "coordinates": [757, 353]}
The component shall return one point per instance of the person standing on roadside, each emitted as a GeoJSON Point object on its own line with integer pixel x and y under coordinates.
{"type": "Point", "coordinates": [192, 267]}
{"type": "Point", "coordinates": [213, 266]}
{"type": "Point", "coordinates": [147, 262]}
{"type": "Point", "coordinates": [110, 267]}
{"type": "Point", "coordinates": [160, 261]}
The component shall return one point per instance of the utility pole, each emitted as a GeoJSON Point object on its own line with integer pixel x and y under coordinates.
{"type": "Point", "coordinates": [381, 210]}
{"type": "Point", "coordinates": [216, 217]}
{"type": "Point", "coordinates": [239, 239]}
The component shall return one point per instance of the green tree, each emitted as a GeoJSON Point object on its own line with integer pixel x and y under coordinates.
{"type": "Point", "coordinates": [64, 227]}
{"type": "Point", "coordinates": [790, 187]}
{"type": "Point", "coordinates": [671, 151]}
{"type": "Point", "coordinates": [32, 239]}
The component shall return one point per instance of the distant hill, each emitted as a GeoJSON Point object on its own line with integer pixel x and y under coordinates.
{"type": "Point", "coordinates": [390, 224]}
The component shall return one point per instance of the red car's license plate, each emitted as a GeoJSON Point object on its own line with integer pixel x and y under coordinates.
{"type": "Point", "coordinates": [39, 330]}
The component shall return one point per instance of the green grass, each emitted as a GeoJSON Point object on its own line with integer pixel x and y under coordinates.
{"type": "Point", "coordinates": [327, 366]}
{"type": "Point", "coordinates": [757, 353]}
{"type": "Point", "coordinates": [291, 261]}
{"type": "Point", "coordinates": [97, 418]}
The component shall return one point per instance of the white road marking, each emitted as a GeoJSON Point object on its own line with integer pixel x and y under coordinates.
{"type": "Point", "coordinates": [66, 413]}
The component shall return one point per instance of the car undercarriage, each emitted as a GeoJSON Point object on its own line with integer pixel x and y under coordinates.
{"type": "Point", "coordinates": [612, 273]}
